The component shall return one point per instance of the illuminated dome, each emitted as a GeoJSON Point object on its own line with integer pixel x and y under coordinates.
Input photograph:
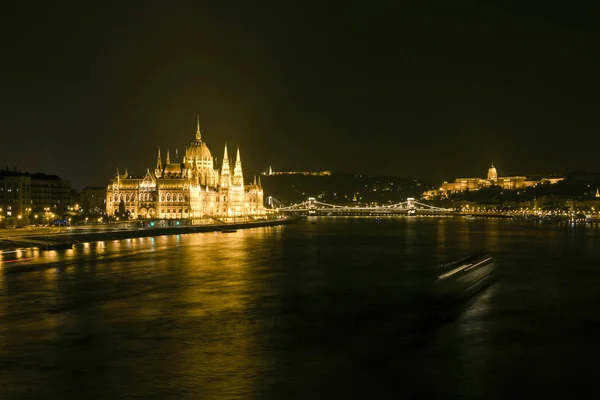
{"type": "Point", "coordinates": [198, 162]}
{"type": "Point", "coordinates": [198, 149]}
{"type": "Point", "coordinates": [492, 174]}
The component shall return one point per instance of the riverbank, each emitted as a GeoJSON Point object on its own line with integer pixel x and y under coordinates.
{"type": "Point", "coordinates": [41, 240]}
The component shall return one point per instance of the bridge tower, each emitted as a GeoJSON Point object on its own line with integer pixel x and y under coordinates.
{"type": "Point", "coordinates": [410, 206]}
{"type": "Point", "coordinates": [311, 205]}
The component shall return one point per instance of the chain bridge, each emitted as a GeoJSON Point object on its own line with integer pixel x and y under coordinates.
{"type": "Point", "coordinates": [315, 207]}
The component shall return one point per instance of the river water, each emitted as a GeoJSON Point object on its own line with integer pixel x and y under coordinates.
{"type": "Point", "coordinates": [302, 311]}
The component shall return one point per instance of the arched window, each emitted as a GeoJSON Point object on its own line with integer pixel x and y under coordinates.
{"type": "Point", "coordinates": [115, 197]}
{"type": "Point", "coordinates": [168, 196]}
{"type": "Point", "coordinates": [180, 197]}
{"type": "Point", "coordinates": [120, 196]}
{"type": "Point", "coordinates": [162, 197]}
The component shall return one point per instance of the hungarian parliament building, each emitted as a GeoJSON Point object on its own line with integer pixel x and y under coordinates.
{"type": "Point", "coordinates": [191, 189]}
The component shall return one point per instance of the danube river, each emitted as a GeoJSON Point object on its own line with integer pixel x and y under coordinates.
{"type": "Point", "coordinates": [303, 311]}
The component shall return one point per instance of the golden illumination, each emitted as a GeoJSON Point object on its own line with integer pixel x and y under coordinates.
{"type": "Point", "coordinates": [188, 189]}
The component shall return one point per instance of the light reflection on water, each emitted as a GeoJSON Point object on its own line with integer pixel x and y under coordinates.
{"type": "Point", "coordinates": [303, 311]}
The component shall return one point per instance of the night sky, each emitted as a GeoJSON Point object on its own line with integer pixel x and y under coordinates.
{"type": "Point", "coordinates": [430, 90]}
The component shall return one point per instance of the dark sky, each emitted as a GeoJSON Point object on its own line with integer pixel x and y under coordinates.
{"type": "Point", "coordinates": [428, 90]}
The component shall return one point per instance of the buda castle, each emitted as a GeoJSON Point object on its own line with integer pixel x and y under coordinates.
{"type": "Point", "coordinates": [505, 182]}
{"type": "Point", "coordinates": [192, 189]}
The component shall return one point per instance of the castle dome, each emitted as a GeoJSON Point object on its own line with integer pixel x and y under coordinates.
{"type": "Point", "coordinates": [492, 174]}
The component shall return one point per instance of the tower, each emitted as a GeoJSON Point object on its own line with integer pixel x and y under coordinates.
{"type": "Point", "coordinates": [158, 170]}
{"type": "Point", "coordinates": [198, 134]}
{"type": "Point", "coordinates": [238, 176]}
{"type": "Point", "coordinates": [225, 171]}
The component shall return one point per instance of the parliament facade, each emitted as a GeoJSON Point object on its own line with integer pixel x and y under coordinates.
{"type": "Point", "coordinates": [192, 189]}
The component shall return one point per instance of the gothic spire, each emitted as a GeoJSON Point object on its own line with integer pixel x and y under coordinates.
{"type": "Point", "coordinates": [225, 156]}
{"type": "Point", "coordinates": [198, 134]}
{"type": "Point", "coordinates": [225, 170]}
{"type": "Point", "coordinates": [158, 162]}
{"type": "Point", "coordinates": [238, 176]}
{"type": "Point", "coordinates": [168, 160]}
{"type": "Point", "coordinates": [238, 160]}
